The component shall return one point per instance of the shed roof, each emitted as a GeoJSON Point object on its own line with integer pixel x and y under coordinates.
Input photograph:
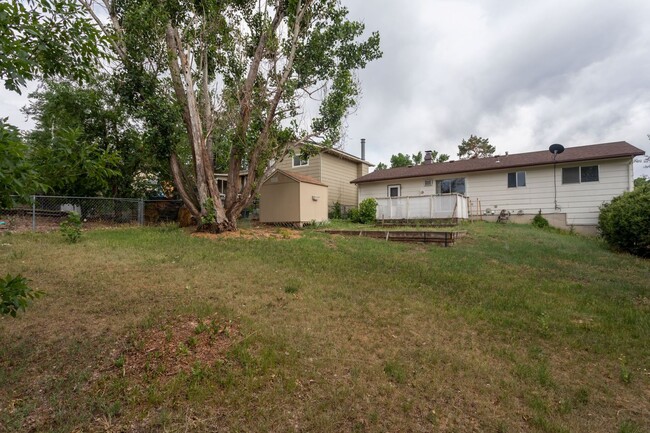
{"type": "Point", "coordinates": [543, 157]}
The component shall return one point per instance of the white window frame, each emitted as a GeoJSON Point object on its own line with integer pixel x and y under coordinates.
{"type": "Point", "coordinates": [580, 167]}
{"type": "Point", "coordinates": [303, 162]}
{"type": "Point", "coordinates": [517, 179]}
{"type": "Point", "coordinates": [399, 190]}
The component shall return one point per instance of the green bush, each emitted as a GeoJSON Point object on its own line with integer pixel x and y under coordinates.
{"type": "Point", "coordinates": [625, 222]}
{"type": "Point", "coordinates": [15, 295]}
{"type": "Point", "coordinates": [365, 213]}
{"type": "Point", "coordinates": [539, 221]}
{"type": "Point", "coordinates": [337, 211]}
{"type": "Point", "coordinates": [71, 227]}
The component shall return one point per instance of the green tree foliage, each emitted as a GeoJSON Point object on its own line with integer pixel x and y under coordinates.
{"type": "Point", "coordinates": [381, 166]}
{"type": "Point", "coordinates": [625, 222]}
{"type": "Point", "coordinates": [15, 295]}
{"type": "Point", "coordinates": [400, 160]}
{"type": "Point", "coordinates": [237, 73]}
{"type": "Point", "coordinates": [475, 147]}
{"type": "Point", "coordinates": [17, 174]}
{"type": "Point", "coordinates": [404, 160]}
{"type": "Point", "coordinates": [46, 38]}
{"type": "Point", "coordinates": [439, 157]}
{"type": "Point", "coordinates": [101, 119]}
{"type": "Point", "coordinates": [70, 165]}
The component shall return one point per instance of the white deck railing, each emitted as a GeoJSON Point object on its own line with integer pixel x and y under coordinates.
{"type": "Point", "coordinates": [422, 207]}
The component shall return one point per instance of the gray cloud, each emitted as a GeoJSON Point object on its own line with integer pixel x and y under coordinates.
{"type": "Point", "coordinates": [524, 74]}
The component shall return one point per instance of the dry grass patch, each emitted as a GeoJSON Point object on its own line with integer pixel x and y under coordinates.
{"type": "Point", "coordinates": [254, 233]}
{"type": "Point", "coordinates": [177, 346]}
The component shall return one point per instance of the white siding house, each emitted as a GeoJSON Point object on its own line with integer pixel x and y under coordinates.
{"type": "Point", "coordinates": [523, 184]}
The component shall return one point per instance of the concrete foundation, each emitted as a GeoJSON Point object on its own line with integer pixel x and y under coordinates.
{"type": "Point", "coordinates": [557, 220]}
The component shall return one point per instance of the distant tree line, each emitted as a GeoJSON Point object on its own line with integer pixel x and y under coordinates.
{"type": "Point", "coordinates": [473, 147]}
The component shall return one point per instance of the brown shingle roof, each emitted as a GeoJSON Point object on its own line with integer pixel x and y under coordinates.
{"type": "Point", "coordinates": [300, 177]}
{"type": "Point", "coordinates": [542, 157]}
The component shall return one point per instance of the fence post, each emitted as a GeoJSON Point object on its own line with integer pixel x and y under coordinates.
{"type": "Point", "coordinates": [33, 213]}
{"type": "Point", "coordinates": [141, 212]}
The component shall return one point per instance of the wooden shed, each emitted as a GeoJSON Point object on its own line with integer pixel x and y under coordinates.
{"type": "Point", "coordinates": [288, 197]}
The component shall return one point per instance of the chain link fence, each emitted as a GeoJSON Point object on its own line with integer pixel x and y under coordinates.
{"type": "Point", "coordinates": [47, 212]}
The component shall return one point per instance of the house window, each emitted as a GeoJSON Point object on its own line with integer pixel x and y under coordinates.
{"type": "Point", "coordinates": [589, 173]}
{"type": "Point", "coordinates": [300, 161]}
{"type": "Point", "coordinates": [394, 190]}
{"type": "Point", "coordinates": [516, 179]}
{"type": "Point", "coordinates": [451, 186]}
{"type": "Point", "coordinates": [580, 174]}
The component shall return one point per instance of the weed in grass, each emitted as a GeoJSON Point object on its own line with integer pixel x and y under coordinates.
{"type": "Point", "coordinates": [544, 327]}
{"type": "Point", "coordinates": [624, 372]}
{"type": "Point", "coordinates": [291, 289]}
{"type": "Point", "coordinates": [71, 228]}
{"type": "Point", "coordinates": [629, 426]}
{"type": "Point", "coordinates": [625, 375]}
{"type": "Point", "coordinates": [582, 396]}
{"type": "Point", "coordinates": [191, 343]}
{"type": "Point", "coordinates": [200, 328]}
{"type": "Point", "coordinates": [199, 372]}
{"type": "Point", "coordinates": [183, 349]}
{"type": "Point", "coordinates": [395, 371]}
{"type": "Point", "coordinates": [119, 362]}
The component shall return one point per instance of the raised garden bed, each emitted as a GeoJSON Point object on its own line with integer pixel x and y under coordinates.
{"type": "Point", "coordinates": [446, 238]}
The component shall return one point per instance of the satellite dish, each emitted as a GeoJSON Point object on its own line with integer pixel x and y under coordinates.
{"type": "Point", "coordinates": [556, 149]}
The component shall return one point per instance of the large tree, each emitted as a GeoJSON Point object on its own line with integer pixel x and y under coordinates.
{"type": "Point", "coordinates": [475, 147]}
{"type": "Point", "coordinates": [104, 137]}
{"type": "Point", "coordinates": [39, 38]}
{"type": "Point", "coordinates": [46, 38]}
{"type": "Point", "coordinates": [243, 75]}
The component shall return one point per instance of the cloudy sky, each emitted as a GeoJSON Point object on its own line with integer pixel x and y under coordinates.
{"type": "Point", "coordinates": [523, 73]}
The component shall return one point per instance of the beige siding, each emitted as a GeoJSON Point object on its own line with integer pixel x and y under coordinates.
{"type": "Point", "coordinates": [337, 174]}
{"type": "Point", "coordinates": [313, 169]}
{"type": "Point", "coordinates": [579, 201]}
{"type": "Point", "coordinates": [313, 202]}
{"type": "Point", "coordinates": [362, 170]}
{"type": "Point", "coordinates": [280, 200]}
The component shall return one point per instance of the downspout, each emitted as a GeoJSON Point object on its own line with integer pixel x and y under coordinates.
{"type": "Point", "coordinates": [630, 175]}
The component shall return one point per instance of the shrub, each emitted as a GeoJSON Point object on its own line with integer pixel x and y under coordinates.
{"type": "Point", "coordinates": [71, 227]}
{"type": "Point", "coordinates": [365, 213]}
{"type": "Point", "coordinates": [539, 221]}
{"type": "Point", "coordinates": [15, 295]}
{"type": "Point", "coordinates": [337, 212]}
{"type": "Point", "coordinates": [624, 223]}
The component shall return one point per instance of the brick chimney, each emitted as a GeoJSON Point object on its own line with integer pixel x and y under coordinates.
{"type": "Point", "coordinates": [427, 157]}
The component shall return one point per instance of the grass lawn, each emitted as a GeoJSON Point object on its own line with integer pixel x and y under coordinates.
{"type": "Point", "coordinates": [151, 329]}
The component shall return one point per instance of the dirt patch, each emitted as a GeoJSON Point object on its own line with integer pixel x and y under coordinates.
{"type": "Point", "coordinates": [178, 346]}
{"type": "Point", "coordinates": [259, 232]}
